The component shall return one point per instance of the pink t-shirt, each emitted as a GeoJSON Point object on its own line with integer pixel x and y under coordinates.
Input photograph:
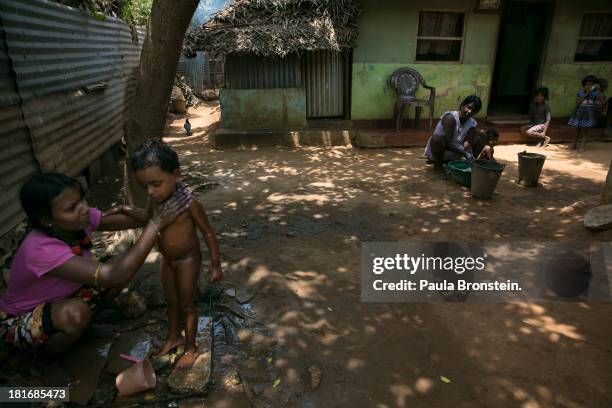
{"type": "Point", "coordinates": [29, 285]}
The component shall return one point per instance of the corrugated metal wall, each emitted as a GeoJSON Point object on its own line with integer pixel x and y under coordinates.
{"type": "Point", "coordinates": [324, 75]}
{"type": "Point", "coordinates": [180, 67]}
{"type": "Point", "coordinates": [213, 71]}
{"type": "Point", "coordinates": [253, 72]}
{"type": "Point", "coordinates": [194, 72]}
{"type": "Point", "coordinates": [50, 54]}
{"type": "Point", "coordinates": [16, 156]}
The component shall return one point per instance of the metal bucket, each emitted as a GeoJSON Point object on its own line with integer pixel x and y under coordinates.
{"type": "Point", "coordinates": [485, 175]}
{"type": "Point", "coordinates": [530, 167]}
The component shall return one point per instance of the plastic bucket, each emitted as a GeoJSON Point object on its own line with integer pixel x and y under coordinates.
{"type": "Point", "coordinates": [485, 175]}
{"type": "Point", "coordinates": [137, 378]}
{"type": "Point", "coordinates": [530, 167]}
{"type": "Point", "coordinates": [461, 172]}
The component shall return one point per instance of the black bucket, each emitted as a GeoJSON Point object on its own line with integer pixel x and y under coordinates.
{"type": "Point", "coordinates": [485, 175]}
{"type": "Point", "coordinates": [530, 167]}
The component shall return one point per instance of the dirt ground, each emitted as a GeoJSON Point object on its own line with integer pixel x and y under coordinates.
{"type": "Point", "coordinates": [290, 223]}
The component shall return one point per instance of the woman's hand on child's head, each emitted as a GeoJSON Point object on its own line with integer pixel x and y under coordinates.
{"type": "Point", "coordinates": [215, 274]}
{"type": "Point", "coordinates": [171, 209]}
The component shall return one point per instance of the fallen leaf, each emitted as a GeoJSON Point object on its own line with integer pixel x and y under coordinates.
{"type": "Point", "coordinates": [150, 396]}
{"type": "Point", "coordinates": [444, 379]}
{"type": "Point", "coordinates": [269, 360]}
{"type": "Point", "coordinates": [276, 383]}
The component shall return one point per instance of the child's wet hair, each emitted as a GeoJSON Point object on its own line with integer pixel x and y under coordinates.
{"type": "Point", "coordinates": [492, 134]}
{"type": "Point", "coordinates": [541, 91]}
{"type": "Point", "coordinates": [38, 192]}
{"type": "Point", "coordinates": [154, 152]}
{"type": "Point", "coordinates": [473, 99]}
{"type": "Point", "coordinates": [589, 78]}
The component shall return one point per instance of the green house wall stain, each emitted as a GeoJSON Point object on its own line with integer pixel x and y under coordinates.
{"type": "Point", "coordinates": [263, 108]}
{"type": "Point", "coordinates": [387, 41]}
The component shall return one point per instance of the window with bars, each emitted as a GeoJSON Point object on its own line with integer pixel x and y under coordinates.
{"type": "Point", "coordinates": [440, 36]}
{"type": "Point", "coordinates": [595, 40]}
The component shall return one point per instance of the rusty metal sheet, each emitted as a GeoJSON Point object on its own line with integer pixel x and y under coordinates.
{"type": "Point", "coordinates": [50, 55]}
{"type": "Point", "coordinates": [55, 48]}
{"type": "Point", "coordinates": [16, 156]}
{"type": "Point", "coordinates": [194, 72]}
{"type": "Point", "coordinates": [70, 130]}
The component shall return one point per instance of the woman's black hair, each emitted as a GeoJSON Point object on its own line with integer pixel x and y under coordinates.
{"type": "Point", "coordinates": [541, 91]}
{"type": "Point", "coordinates": [38, 192]}
{"type": "Point", "coordinates": [473, 99]}
{"type": "Point", "coordinates": [154, 152]}
{"type": "Point", "coordinates": [589, 78]}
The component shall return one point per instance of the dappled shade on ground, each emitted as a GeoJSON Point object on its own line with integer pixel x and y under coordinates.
{"type": "Point", "coordinates": [290, 224]}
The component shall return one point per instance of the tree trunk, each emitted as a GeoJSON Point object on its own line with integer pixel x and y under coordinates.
{"type": "Point", "coordinates": [607, 193]}
{"type": "Point", "coordinates": [160, 54]}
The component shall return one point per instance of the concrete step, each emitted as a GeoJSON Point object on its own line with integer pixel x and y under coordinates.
{"type": "Point", "coordinates": [252, 139]}
{"type": "Point", "coordinates": [329, 124]}
{"type": "Point", "coordinates": [377, 138]}
{"type": "Point", "coordinates": [506, 122]}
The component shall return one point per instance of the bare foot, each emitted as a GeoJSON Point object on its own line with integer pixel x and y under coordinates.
{"type": "Point", "coordinates": [215, 275]}
{"type": "Point", "coordinates": [168, 346]}
{"type": "Point", "coordinates": [187, 360]}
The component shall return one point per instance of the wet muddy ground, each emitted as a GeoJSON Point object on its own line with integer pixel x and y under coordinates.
{"type": "Point", "coordinates": [290, 224]}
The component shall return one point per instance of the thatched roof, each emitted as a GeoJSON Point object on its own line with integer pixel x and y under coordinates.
{"type": "Point", "coordinates": [278, 27]}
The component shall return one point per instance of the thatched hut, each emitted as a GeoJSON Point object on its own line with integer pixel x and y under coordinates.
{"type": "Point", "coordinates": [286, 61]}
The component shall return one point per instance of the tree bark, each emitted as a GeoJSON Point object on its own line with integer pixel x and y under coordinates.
{"type": "Point", "coordinates": [160, 53]}
{"type": "Point", "coordinates": [607, 193]}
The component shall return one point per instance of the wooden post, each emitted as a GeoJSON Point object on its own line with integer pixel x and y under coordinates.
{"type": "Point", "coordinates": [607, 193]}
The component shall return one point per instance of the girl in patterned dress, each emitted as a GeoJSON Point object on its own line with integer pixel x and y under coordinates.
{"type": "Point", "coordinates": [585, 116]}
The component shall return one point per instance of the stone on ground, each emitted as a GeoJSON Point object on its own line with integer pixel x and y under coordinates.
{"type": "Point", "coordinates": [196, 379]}
{"type": "Point", "coordinates": [607, 193]}
{"type": "Point", "coordinates": [599, 218]}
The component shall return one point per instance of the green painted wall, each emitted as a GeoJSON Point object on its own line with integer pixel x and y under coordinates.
{"type": "Point", "coordinates": [560, 73]}
{"type": "Point", "coordinates": [387, 41]}
{"type": "Point", "coordinates": [263, 108]}
{"type": "Point", "coordinates": [374, 99]}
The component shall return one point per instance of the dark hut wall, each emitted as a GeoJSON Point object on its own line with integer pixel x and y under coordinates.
{"type": "Point", "coordinates": [263, 92]}
{"type": "Point", "coordinates": [266, 108]}
{"type": "Point", "coordinates": [255, 72]}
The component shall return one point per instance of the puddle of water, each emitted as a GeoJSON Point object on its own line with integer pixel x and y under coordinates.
{"type": "Point", "coordinates": [203, 322]}
{"type": "Point", "coordinates": [247, 307]}
{"type": "Point", "coordinates": [104, 350]}
{"type": "Point", "coordinates": [141, 349]}
{"type": "Point", "coordinates": [242, 346]}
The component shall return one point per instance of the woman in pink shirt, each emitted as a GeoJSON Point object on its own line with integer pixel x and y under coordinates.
{"type": "Point", "coordinates": [54, 283]}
